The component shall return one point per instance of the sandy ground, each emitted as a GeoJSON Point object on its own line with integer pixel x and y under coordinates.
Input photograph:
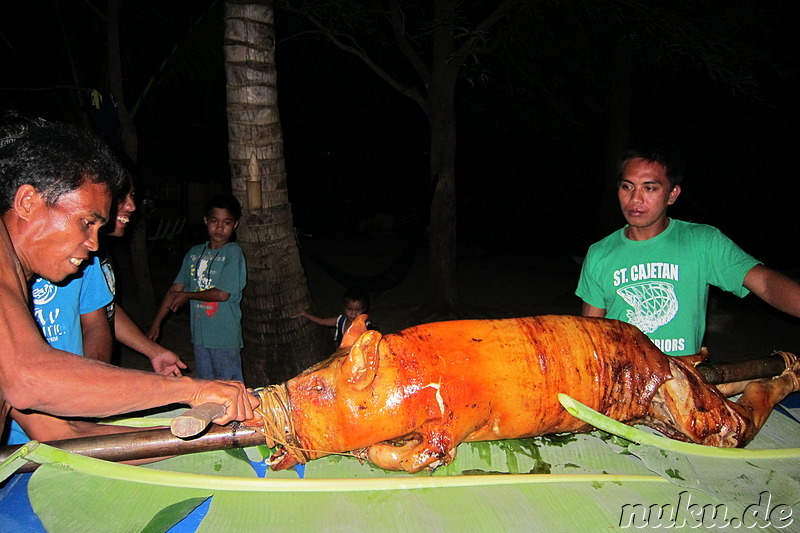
{"type": "Point", "coordinates": [503, 283]}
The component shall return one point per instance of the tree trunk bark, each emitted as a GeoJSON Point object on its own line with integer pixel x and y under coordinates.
{"type": "Point", "coordinates": [441, 113]}
{"type": "Point", "coordinates": [277, 346]}
{"type": "Point", "coordinates": [442, 239]}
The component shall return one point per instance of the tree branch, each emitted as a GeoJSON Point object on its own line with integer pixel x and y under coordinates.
{"type": "Point", "coordinates": [155, 78]}
{"type": "Point", "coordinates": [407, 49]}
{"type": "Point", "coordinates": [363, 56]}
{"type": "Point", "coordinates": [484, 26]}
{"type": "Point", "coordinates": [100, 14]}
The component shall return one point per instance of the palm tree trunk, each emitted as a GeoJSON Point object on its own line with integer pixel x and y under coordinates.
{"type": "Point", "coordinates": [277, 346]}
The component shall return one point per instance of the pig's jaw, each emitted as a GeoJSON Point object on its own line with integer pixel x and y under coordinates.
{"type": "Point", "coordinates": [278, 427]}
{"type": "Point", "coordinates": [391, 455]}
{"type": "Point", "coordinates": [280, 460]}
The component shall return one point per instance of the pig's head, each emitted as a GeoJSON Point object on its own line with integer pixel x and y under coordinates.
{"type": "Point", "coordinates": [340, 404]}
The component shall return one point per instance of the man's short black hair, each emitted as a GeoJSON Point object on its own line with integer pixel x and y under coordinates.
{"type": "Point", "coordinates": [667, 156]}
{"type": "Point", "coordinates": [54, 158]}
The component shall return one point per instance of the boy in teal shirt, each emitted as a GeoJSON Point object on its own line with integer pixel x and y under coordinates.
{"type": "Point", "coordinates": [212, 277]}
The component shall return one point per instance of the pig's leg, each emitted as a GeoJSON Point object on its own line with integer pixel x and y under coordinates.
{"type": "Point", "coordinates": [733, 388]}
{"type": "Point", "coordinates": [688, 408]}
{"type": "Point", "coordinates": [759, 397]}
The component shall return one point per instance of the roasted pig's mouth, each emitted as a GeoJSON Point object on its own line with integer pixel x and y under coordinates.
{"type": "Point", "coordinates": [281, 459]}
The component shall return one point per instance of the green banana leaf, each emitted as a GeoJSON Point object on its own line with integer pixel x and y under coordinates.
{"type": "Point", "coordinates": [588, 482]}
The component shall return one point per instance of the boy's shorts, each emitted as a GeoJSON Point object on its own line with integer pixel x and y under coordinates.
{"type": "Point", "coordinates": [218, 363]}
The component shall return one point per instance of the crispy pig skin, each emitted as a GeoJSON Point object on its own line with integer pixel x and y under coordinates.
{"type": "Point", "coordinates": [433, 386]}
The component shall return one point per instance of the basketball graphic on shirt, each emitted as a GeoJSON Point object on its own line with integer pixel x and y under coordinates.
{"type": "Point", "coordinates": [654, 304]}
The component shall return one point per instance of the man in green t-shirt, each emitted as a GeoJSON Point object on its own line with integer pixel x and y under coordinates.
{"type": "Point", "coordinates": [655, 272]}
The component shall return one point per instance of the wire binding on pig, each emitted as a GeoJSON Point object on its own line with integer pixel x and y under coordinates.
{"type": "Point", "coordinates": [277, 424]}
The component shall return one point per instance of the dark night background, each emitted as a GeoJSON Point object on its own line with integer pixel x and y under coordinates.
{"type": "Point", "coordinates": [532, 124]}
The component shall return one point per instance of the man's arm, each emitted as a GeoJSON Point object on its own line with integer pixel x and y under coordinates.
{"type": "Point", "coordinates": [164, 361]}
{"type": "Point", "coordinates": [97, 339]}
{"type": "Point", "coordinates": [590, 310]}
{"type": "Point", "coordinates": [45, 428]}
{"type": "Point", "coordinates": [37, 377]}
{"type": "Point", "coordinates": [54, 382]}
{"type": "Point", "coordinates": [778, 290]}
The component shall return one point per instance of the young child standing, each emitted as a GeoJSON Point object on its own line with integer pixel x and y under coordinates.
{"type": "Point", "coordinates": [356, 302]}
{"type": "Point", "coordinates": [212, 277]}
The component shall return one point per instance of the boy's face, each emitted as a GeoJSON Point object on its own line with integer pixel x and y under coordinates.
{"type": "Point", "coordinates": [353, 308]}
{"type": "Point", "coordinates": [220, 225]}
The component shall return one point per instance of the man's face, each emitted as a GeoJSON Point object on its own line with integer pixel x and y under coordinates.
{"type": "Point", "coordinates": [61, 237]}
{"type": "Point", "coordinates": [644, 194]}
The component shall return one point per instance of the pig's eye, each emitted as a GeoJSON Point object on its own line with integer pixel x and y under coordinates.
{"type": "Point", "coordinates": [319, 390]}
{"type": "Point", "coordinates": [317, 385]}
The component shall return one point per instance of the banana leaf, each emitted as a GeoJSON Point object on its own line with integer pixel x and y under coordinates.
{"type": "Point", "coordinates": [584, 482]}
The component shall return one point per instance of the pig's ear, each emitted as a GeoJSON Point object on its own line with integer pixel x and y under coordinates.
{"type": "Point", "coordinates": [355, 330]}
{"type": "Point", "coordinates": [362, 363]}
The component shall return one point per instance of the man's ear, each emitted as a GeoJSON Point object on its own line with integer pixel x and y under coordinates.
{"type": "Point", "coordinates": [26, 200]}
{"type": "Point", "coordinates": [673, 194]}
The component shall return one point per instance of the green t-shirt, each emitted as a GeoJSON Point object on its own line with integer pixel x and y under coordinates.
{"type": "Point", "coordinates": [215, 324]}
{"type": "Point", "coordinates": [661, 285]}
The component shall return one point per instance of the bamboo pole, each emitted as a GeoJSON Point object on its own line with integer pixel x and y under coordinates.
{"type": "Point", "coordinates": [732, 371]}
{"type": "Point", "coordinates": [151, 443]}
